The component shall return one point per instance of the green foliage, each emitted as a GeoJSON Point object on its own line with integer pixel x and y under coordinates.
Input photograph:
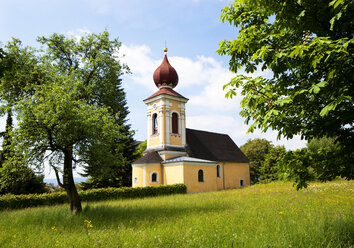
{"type": "Point", "coordinates": [256, 151]}
{"type": "Point", "coordinates": [328, 144]}
{"type": "Point", "coordinates": [319, 161]}
{"type": "Point", "coordinates": [307, 49]}
{"type": "Point", "coordinates": [25, 201]}
{"type": "Point", "coordinates": [18, 179]}
{"type": "Point", "coordinates": [297, 166]}
{"type": "Point", "coordinates": [114, 175]}
{"type": "Point", "coordinates": [263, 215]}
{"type": "Point", "coordinates": [269, 169]}
{"type": "Point", "coordinates": [70, 107]}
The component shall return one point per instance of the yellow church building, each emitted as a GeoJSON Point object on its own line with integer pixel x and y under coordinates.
{"type": "Point", "coordinates": [203, 161]}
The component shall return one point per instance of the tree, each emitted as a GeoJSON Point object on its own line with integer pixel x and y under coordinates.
{"type": "Point", "coordinates": [307, 48]}
{"type": "Point", "coordinates": [269, 169]}
{"type": "Point", "coordinates": [18, 179]}
{"type": "Point", "coordinates": [67, 120]}
{"type": "Point", "coordinates": [116, 171]}
{"type": "Point", "coordinates": [17, 73]}
{"type": "Point", "coordinates": [297, 166]}
{"type": "Point", "coordinates": [256, 151]}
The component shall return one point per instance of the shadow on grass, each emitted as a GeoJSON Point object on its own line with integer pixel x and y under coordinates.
{"type": "Point", "coordinates": [117, 215]}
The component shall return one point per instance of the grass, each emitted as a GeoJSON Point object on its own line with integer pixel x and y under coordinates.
{"type": "Point", "coordinates": [271, 215]}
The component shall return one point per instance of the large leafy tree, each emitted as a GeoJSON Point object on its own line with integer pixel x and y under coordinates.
{"type": "Point", "coordinates": [307, 47]}
{"type": "Point", "coordinates": [256, 150]}
{"type": "Point", "coordinates": [71, 118]}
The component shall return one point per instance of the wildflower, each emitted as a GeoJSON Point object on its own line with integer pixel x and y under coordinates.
{"type": "Point", "coordinates": [88, 224]}
{"type": "Point", "coordinates": [281, 212]}
{"type": "Point", "coordinates": [53, 228]}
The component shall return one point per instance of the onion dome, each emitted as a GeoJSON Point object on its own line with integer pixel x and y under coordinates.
{"type": "Point", "coordinates": [165, 75]}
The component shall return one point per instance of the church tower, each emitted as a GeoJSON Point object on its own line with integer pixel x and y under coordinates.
{"type": "Point", "coordinates": [166, 121]}
{"type": "Point", "coordinates": [203, 161]}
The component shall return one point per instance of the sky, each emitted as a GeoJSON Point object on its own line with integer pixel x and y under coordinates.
{"type": "Point", "coordinates": [192, 31]}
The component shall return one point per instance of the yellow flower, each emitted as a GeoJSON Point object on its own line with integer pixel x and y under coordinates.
{"type": "Point", "coordinates": [281, 213]}
{"type": "Point", "coordinates": [53, 228]}
{"type": "Point", "coordinates": [88, 224]}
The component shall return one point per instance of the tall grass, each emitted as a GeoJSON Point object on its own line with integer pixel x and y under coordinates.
{"type": "Point", "coordinates": [271, 215]}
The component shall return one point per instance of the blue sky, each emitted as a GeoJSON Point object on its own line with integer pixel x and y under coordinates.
{"type": "Point", "coordinates": [192, 29]}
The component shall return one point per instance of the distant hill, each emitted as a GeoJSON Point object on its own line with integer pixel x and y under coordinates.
{"type": "Point", "coordinates": [54, 181]}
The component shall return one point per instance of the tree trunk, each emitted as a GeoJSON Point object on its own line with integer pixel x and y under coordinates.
{"type": "Point", "coordinates": [68, 181]}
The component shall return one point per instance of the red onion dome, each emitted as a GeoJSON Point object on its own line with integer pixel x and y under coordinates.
{"type": "Point", "coordinates": [165, 75]}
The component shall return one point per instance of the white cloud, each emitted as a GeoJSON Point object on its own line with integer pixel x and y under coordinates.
{"type": "Point", "coordinates": [142, 66]}
{"type": "Point", "coordinates": [78, 33]}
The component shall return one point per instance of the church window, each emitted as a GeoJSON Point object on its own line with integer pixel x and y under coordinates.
{"type": "Point", "coordinates": [154, 177]}
{"type": "Point", "coordinates": [200, 176]}
{"type": "Point", "coordinates": [218, 171]}
{"type": "Point", "coordinates": [154, 124]}
{"type": "Point", "coordinates": [174, 123]}
{"type": "Point", "coordinates": [241, 183]}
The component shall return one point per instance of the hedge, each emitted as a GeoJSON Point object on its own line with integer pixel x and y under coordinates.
{"type": "Point", "coordinates": [33, 200]}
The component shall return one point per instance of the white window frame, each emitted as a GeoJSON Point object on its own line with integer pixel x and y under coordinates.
{"type": "Point", "coordinates": [153, 124]}
{"type": "Point", "coordinates": [157, 177]}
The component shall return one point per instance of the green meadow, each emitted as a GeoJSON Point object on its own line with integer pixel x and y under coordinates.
{"type": "Point", "coordinates": [265, 215]}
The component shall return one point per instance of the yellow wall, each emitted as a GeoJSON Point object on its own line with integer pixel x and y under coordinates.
{"type": "Point", "coordinates": [174, 139]}
{"type": "Point", "coordinates": [191, 178]}
{"type": "Point", "coordinates": [173, 174]}
{"type": "Point", "coordinates": [234, 172]}
{"type": "Point", "coordinates": [150, 169]}
{"type": "Point", "coordinates": [138, 172]}
{"type": "Point", "coordinates": [154, 140]}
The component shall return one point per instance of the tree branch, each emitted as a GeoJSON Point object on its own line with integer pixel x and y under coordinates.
{"type": "Point", "coordinates": [57, 176]}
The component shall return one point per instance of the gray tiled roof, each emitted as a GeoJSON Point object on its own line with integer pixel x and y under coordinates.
{"type": "Point", "coordinates": [201, 146]}
{"type": "Point", "coordinates": [213, 146]}
{"type": "Point", "coordinates": [150, 157]}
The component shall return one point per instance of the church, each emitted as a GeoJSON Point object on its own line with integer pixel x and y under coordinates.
{"type": "Point", "coordinates": [203, 161]}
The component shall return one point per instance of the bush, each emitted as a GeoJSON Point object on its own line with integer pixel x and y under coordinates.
{"type": "Point", "coordinates": [17, 179]}
{"type": "Point", "coordinates": [32, 200]}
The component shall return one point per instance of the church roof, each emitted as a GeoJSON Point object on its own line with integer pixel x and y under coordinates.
{"type": "Point", "coordinates": [188, 159]}
{"type": "Point", "coordinates": [213, 146]}
{"type": "Point", "coordinates": [167, 91]}
{"type": "Point", "coordinates": [150, 157]}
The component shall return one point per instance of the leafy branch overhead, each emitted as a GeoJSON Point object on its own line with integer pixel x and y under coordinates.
{"type": "Point", "coordinates": [306, 47]}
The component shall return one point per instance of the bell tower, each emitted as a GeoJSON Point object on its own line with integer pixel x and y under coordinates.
{"type": "Point", "coordinates": [166, 120]}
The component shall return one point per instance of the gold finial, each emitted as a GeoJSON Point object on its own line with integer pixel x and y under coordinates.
{"type": "Point", "coordinates": [165, 49]}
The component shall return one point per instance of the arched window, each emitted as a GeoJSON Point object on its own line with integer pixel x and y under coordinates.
{"type": "Point", "coordinates": [218, 171]}
{"type": "Point", "coordinates": [154, 177]}
{"type": "Point", "coordinates": [200, 176]}
{"type": "Point", "coordinates": [174, 123]}
{"type": "Point", "coordinates": [154, 124]}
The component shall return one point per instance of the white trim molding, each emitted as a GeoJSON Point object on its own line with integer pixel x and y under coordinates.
{"type": "Point", "coordinates": [144, 176]}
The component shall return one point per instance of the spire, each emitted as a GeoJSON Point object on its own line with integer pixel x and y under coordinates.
{"type": "Point", "coordinates": [165, 75]}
